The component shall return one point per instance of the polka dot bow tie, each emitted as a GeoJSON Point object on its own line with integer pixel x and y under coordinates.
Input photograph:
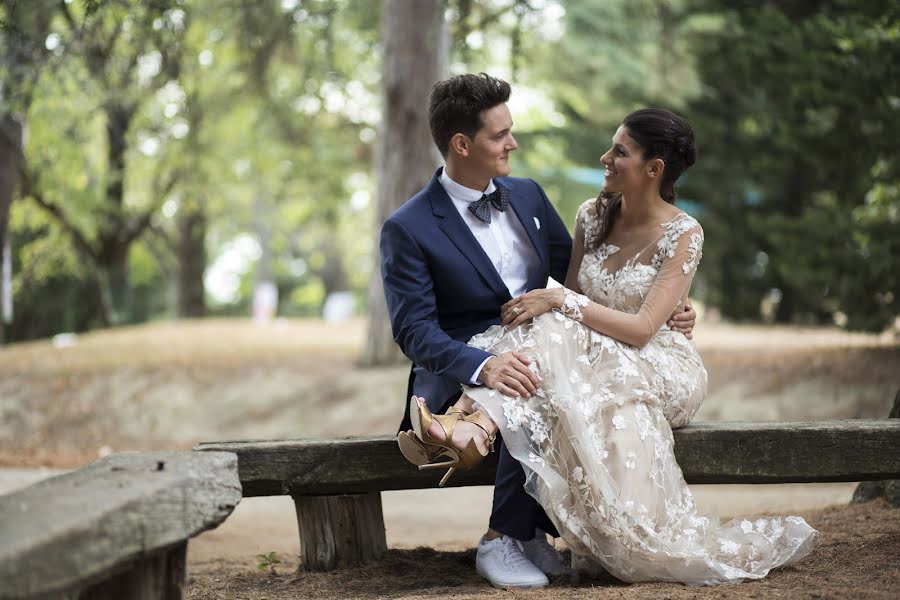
{"type": "Point", "coordinates": [499, 199]}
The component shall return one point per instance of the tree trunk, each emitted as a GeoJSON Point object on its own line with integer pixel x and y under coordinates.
{"type": "Point", "coordinates": [191, 260]}
{"type": "Point", "coordinates": [114, 286]}
{"type": "Point", "coordinates": [416, 42]}
{"type": "Point", "coordinates": [114, 249]}
{"type": "Point", "coordinates": [10, 165]}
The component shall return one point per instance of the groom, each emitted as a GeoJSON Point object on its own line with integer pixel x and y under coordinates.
{"type": "Point", "coordinates": [451, 256]}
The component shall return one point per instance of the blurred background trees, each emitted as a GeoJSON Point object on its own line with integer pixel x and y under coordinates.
{"type": "Point", "coordinates": [175, 158]}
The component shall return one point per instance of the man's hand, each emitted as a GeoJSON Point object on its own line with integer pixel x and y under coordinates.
{"type": "Point", "coordinates": [508, 373]}
{"type": "Point", "coordinates": [684, 319]}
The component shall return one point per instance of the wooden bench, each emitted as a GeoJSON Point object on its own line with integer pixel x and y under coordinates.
{"type": "Point", "coordinates": [336, 484]}
{"type": "Point", "coordinates": [115, 529]}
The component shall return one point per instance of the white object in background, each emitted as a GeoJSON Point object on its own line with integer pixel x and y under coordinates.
{"type": "Point", "coordinates": [6, 284]}
{"type": "Point", "coordinates": [64, 340]}
{"type": "Point", "coordinates": [339, 306]}
{"type": "Point", "coordinates": [265, 302]}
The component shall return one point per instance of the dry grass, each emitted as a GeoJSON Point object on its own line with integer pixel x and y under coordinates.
{"type": "Point", "coordinates": [208, 343]}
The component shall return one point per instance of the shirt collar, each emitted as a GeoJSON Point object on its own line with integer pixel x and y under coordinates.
{"type": "Point", "coordinates": [458, 191]}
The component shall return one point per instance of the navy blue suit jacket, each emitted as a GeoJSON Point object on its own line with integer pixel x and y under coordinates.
{"type": "Point", "coordinates": [441, 287]}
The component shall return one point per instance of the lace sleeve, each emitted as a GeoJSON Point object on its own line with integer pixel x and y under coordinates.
{"type": "Point", "coordinates": [678, 254]}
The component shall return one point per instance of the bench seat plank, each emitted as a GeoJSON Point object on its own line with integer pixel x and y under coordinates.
{"type": "Point", "coordinates": [83, 527]}
{"type": "Point", "coordinates": [710, 452]}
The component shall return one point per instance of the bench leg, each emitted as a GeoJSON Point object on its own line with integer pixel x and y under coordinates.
{"type": "Point", "coordinates": [340, 531]}
{"type": "Point", "coordinates": [890, 489]}
{"type": "Point", "coordinates": [156, 577]}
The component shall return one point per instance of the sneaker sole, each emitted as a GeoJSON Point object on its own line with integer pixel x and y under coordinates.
{"type": "Point", "coordinates": [517, 586]}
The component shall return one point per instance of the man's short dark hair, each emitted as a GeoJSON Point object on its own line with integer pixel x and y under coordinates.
{"type": "Point", "coordinates": [455, 105]}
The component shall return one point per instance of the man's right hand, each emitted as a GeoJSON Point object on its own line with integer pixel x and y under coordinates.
{"type": "Point", "coordinates": [508, 373]}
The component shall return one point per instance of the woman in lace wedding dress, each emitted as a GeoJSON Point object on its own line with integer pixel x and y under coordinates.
{"type": "Point", "coordinates": [595, 440]}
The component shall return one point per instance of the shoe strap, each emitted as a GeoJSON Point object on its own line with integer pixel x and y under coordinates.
{"type": "Point", "coordinates": [455, 410]}
{"type": "Point", "coordinates": [480, 419]}
{"type": "Point", "coordinates": [448, 424]}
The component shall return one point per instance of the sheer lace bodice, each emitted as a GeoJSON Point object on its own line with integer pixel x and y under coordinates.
{"type": "Point", "coordinates": [625, 285]}
{"type": "Point", "coordinates": [596, 442]}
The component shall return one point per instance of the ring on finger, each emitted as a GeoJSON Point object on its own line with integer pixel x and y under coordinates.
{"type": "Point", "coordinates": [516, 310]}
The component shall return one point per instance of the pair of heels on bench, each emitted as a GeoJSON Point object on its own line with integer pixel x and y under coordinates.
{"type": "Point", "coordinates": [428, 451]}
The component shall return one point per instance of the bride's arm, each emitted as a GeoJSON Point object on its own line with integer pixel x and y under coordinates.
{"type": "Point", "coordinates": [667, 293]}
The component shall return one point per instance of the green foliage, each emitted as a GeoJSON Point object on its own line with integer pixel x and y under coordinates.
{"type": "Point", "coordinates": [268, 562]}
{"type": "Point", "coordinates": [261, 117]}
{"type": "Point", "coordinates": [798, 159]}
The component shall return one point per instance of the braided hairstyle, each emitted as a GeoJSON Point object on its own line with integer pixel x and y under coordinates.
{"type": "Point", "coordinates": [661, 134]}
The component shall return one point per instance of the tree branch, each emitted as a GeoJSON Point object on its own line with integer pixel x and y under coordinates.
{"type": "Point", "coordinates": [160, 244]}
{"type": "Point", "coordinates": [139, 224]}
{"type": "Point", "coordinates": [67, 14]}
{"type": "Point", "coordinates": [31, 190]}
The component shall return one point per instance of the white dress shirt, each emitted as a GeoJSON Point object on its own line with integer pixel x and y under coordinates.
{"type": "Point", "coordinates": [503, 240]}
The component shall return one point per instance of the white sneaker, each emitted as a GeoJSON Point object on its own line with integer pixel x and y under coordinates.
{"type": "Point", "coordinates": [543, 555]}
{"type": "Point", "coordinates": [502, 562]}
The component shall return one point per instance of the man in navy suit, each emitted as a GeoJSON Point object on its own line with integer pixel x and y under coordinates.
{"type": "Point", "coordinates": [451, 256]}
{"type": "Point", "coordinates": [446, 274]}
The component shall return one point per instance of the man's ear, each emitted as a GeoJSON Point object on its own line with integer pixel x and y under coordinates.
{"type": "Point", "coordinates": [655, 167]}
{"type": "Point", "coordinates": [460, 144]}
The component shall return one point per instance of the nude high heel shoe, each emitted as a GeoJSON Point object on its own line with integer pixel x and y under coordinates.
{"type": "Point", "coordinates": [469, 457]}
{"type": "Point", "coordinates": [418, 452]}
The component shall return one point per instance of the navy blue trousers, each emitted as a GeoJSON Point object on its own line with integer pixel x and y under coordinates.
{"type": "Point", "coordinates": [515, 513]}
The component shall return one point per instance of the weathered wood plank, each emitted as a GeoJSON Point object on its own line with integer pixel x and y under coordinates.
{"type": "Point", "coordinates": [340, 531]}
{"type": "Point", "coordinates": [67, 533]}
{"type": "Point", "coordinates": [720, 452]}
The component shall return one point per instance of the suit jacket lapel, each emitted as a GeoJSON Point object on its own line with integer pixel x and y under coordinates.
{"type": "Point", "coordinates": [459, 233]}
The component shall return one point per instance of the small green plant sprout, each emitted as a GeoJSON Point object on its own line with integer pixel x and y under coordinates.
{"type": "Point", "coordinates": [268, 561]}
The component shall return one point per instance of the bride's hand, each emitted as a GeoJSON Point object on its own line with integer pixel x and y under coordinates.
{"type": "Point", "coordinates": [530, 305]}
{"type": "Point", "coordinates": [683, 319]}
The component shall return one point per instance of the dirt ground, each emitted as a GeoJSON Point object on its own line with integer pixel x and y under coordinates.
{"type": "Point", "coordinates": [172, 385]}
{"type": "Point", "coordinates": [858, 556]}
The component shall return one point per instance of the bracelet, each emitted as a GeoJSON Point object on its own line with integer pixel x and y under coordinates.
{"type": "Point", "coordinates": [572, 304]}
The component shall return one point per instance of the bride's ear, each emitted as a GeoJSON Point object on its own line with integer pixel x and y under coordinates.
{"type": "Point", "coordinates": [655, 167]}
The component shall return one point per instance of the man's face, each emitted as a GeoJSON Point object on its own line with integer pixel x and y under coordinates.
{"type": "Point", "coordinates": [489, 150]}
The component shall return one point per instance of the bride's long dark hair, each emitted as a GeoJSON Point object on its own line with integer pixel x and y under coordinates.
{"type": "Point", "coordinates": [661, 134]}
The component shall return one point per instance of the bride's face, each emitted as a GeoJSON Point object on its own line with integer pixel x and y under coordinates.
{"type": "Point", "coordinates": [624, 163]}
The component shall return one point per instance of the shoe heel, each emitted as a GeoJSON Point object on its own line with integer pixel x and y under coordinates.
{"type": "Point", "coordinates": [433, 465]}
{"type": "Point", "coordinates": [446, 476]}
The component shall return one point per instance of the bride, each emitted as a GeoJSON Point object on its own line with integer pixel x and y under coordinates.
{"type": "Point", "coordinates": [595, 439]}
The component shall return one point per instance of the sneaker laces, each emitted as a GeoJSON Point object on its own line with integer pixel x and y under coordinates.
{"type": "Point", "coordinates": [512, 553]}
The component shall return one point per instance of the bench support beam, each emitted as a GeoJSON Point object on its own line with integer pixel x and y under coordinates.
{"type": "Point", "coordinates": [340, 531]}
{"type": "Point", "coordinates": [156, 577]}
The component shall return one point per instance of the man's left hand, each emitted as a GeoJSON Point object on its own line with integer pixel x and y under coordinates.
{"type": "Point", "coordinates": [530, 305]}
{"type": "Point", "coordinates": [684, 319]}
